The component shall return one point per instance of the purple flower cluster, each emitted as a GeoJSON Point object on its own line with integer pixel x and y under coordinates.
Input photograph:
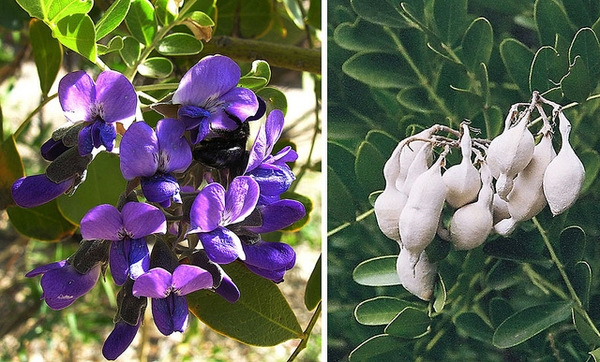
{"type": "Point", "coordinates": [218, 210]}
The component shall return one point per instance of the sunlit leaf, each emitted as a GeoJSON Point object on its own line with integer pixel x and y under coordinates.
{"type": "Point", "coordinates": [141, 22]}
{"type": "Point", "coordinates": [47, 52]}
{"type": "Point", "coordinates": [377, 272]}
{"type": "Point", "coordinates": [131, 51]}
{"type": "Point", "coordinates": [77, 32]}
{"type": "Point", "coordinates": [179, 44]}
{"type": "Point", "coordinates": [157, 67]}
{"type": "Point", "coordinates": [112, 18]}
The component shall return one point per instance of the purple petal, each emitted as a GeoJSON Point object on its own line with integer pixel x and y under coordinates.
{"type": "Point", "coordinates": [139, 151]}
{"type": "Point", "coordinates": [241, 198]}
{"type": "Point", "coordinates": [85, 142]}
{"type": "Point", "coordinates": [160, 188]}
{"type": "Point", "coordinates": [119, 339]}
{"type": "Point", "coordinates": [278, 215]}
{"type": "Point", "coordinates": [273, 179]}
{"type": "Point", "coordinates": [141, 219]}
{"type": "Point", "coordinates": [138, 257]}
{"type": "Point", "coordinates": [102, 222]}
{"type": "Point", "coordinates": [108, 134]}
{"type": "Point", "coordinates": [156, 283]}
{"type": "Point", "coordinates": [62, 286]}
{"type": "Point", "coordinates": [191, 116]}
{"type": "Point", "coordinates": [175, 152]}
{"type": "Point", "coordinates": [270, 255]}
{"type": "Point", "coordinates": [222, 246]}
{"type": "Point", "coordinates": [189, 278]}
{"type": "Point", "coordinates": [77, 93]}
{"type": "Point", "coordinates": [119, 261]}
{"type": "Point", "coordinates": [46, 268]}
{"type": "Point", "coordinates": [51, 149]}
{"type": "Point", "coordinates": [273, 128]}
{"type": "Point", "coordinates": [32, 191]}
{"type": "Point", "coordinates": [286, 154]}
{"type": "Point", "coordinates": [180, 313]}
{"type": "Point", "coordinates": [210, 78]}
{"type": "Point", "coordinates": [207, 209]}
{"type": "Point", "coordinates": [276, 275]}
{"type": "Point", "coordinates": [219, 119]}
{"type": "Point", "coordinates": [116, 97]}
{"type": "Point", "coordinates": [240, 103]}
{"type": "Point", "coordinates": [228, 290]}
{"type": "Point", "coordinates": [170, 314]}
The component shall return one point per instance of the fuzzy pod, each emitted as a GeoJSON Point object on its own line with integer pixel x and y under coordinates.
{"type": "Point", "coordinates": [421, 215]}
{"type": "Point", "coordinates": [408, 152]}
{"type": "Point", "coordinates": [420, 279]}
{"type": "Point", "coordinates": [564, 176]}
{"type": "Point", "coordinates": [509, 153]}
{"type": "Point", "coordinates": [419, 165]}
{"type": "Point", "coordinates": [462, 181]}
{"type": "Point", "coordinates": [499, 209]}
{"type": "Point", "coordinates": [471, 224]}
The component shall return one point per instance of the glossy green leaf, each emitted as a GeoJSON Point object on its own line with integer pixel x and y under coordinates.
{"type": "Point", "coordinates": [517, 59]}
{"type": "Point", "coordinates": [379, 311]}
{"type": "Point", "coordinates": [312, 293]}
{"type": "Point", "coordinates": [379, 70]}
{"type": "Point", "coordinates": [44, 222]}
{"type": "Point", "coordinates": [582, 12]}
{"type": "Point", "coordinates": [587, 332]}
{"type": "Point", "coordinates": [385, 13]}
{"type": "Point", "coordinates": [200, 24]}
{"type": "Point", "coordinates": [439, 295]}
{"type": "Point", "coordinates": [114, 45]}
{"type": "Point", "coordinates": [409, 323]}
{"type": "Point", "coordinates": [112, 18]}
{"type": "Point", "coordinates": [294, 11]}
{"type": "Point", "coordinates": [572, 245]}
{"type": "Point", "coordinates": [339, 199]}
{"type": "Point", "coordinates": [131, 51]}
{"type": "Point", "coordinates": [382, 347]}
{"type": "Point", "coordinates": [577, 84]}
{"type": "Point", "coordinates": [581, 278]}
{"type": "Point", "coordinates": [47, 52]}
{"type": "Point", "coordinates": [166, 11]}
{"type": "Point", "coordinates": [591, 162]}
{"type": "Point", "coordinates": [516, 250]}
{"type": "Point", "coordinates": [258, 77]}
{"type": "Point", "coordinates": [141, 22]}
{"type": "Point", "coordinates": [585, 44]}
{"type": "Point", "coordinates": [595, 354]}
{"type": "Point", "coordinates": [450, 18]}
{"type": "Point", "coordinates": [474, 327]}
{"type": "Point", "coordinates": [499, 310]}
{"type": "Point", "coordinates": [261, 317]}
{"type": "Point", "coordinates": [274, 98]}
{"type": "Point", "coordinates": [551, 19]}
{"type": "Point", "coordinates": [369, 163]}
{"type": "Point", "coordinates": [543, 75]}
{"type": "Point", "coordinates": [157, 67]}
{"type": "Point", "coordinates": [503, 274]}
{"type": "Point", "coordinates": [528, 322]}
{"type": "Point", "coordinates": [363, 36]}
{"type": "Point", "coordinates": [377, 272]}
{"type": "Point", "coordinates": [103, 185]}
{"type": "Point", "coordinates": [35, 8]}
{"type": "Point", "coordinates": [11, 169]}
{"type": "Point", "coordinates": [415, 99]}
{"type": "Point", "coordinates": [59, 9]}
{"type": "Point", "coordinates": [179, 44]}
{"type": "Point", "coordinates": [77, 32]}
{"type": "Point", "coordinates": [200, 18]}
{"type": "Point", "coordinates": [477, 43]}
{"type": "Point", "coordinates": [247, 18]}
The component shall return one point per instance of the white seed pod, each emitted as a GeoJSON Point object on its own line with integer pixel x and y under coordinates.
{"type": "Point", "coordinates": [462, 181]}
{"type": "Point", "coordinates": [564, 176]}
{"type": "Point", "coordinates": [421, 215]}
{"type": "Point", "coordinates": [409, 152]}
{"type": "Point", "coordinates": [499, 209]}
{"type": "Point", "coordinates": [419, 165]}
{"type": "Point", "coordinates": [471, 224]}
{"type": "Point", "coordinates": [509, 153]}
{"type": "Point", "coordinates": [418, 280]}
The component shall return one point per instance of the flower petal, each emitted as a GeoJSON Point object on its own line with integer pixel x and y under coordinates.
{"type": "Point", "coordinates": [270, 255]}
{"type": "Point", "coordinates": [101, 222]}
{"type": "Point", "coordinates": [240, 103]}
{"type": "Point", "coordinates": [222, 245]}
{"type": "Point", "coordinates": [180, 313]}
{"type": "Point", "coordinates": [139, 151]}
{"type": "Point", "coordinates": [116, 96]}
{"type": "Point", "coordinates": [175, 152]}
{"type": "Point", "coordinates": [119, 339]}
{"type": "Point", "coordinates": [64, 285]}
{"type": "Point", "coordinates": [156, 283]}
{"type": "Point", "coordinates": [190, 278]}
{"type": "Point", "coordinates": [207, 209]}
{"type": "Point", "coordinates": [32, 191]}
{"type": "Point", "coordinates": [77, 93]}
{"type": "Point", "coordinates": [170, 314]}
{"type": "Point", "coordinates": [119, 261]}
{"type": "Point", "coordinates": [51, 149]}
{"type": "Point", "coordinates": [141, 219]}
{"type": "Point", "coordinates": [273, 180]}
{"type": "Point", "coordinates": [160, 188]}
{"type": "Point", "coordinates": [276, 275]}
{"type": "Point", "coordinates": [241, 198]}
{"type": "Point", "coordinates": [46, 268]}
{"type": "Point", "coordinates": [273, 128]}
{"type": "Point", "coordinates": [138, 258]}
{"type": "Point", "coordinates": [228, 290]}
{"type": "Point", "coordinates": [209, 79]}
{"type": "Point", "coordinates": [278, 215]}
{"type": "Point", "coordinates": [85, 142]}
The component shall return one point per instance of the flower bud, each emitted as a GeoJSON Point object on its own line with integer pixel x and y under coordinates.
{"type": "Point", "coordinates": [418, 280]}
{"type": "Point", "coordinates": [462, 181]}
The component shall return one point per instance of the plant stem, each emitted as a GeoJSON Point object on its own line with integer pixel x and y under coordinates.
{"type": "Point", "coordinates": [158, 86]}
{"type": "Point", "coordinates": [306, 333]}
{"type": "Point", "coordinates": [346, 224]}
{"type": "Point", "coordinates": [27, 120]}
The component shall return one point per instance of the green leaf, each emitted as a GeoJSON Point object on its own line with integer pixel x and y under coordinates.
{"type": "Point", "coordinates": [369, 166]}
{"type": "Point", "coordinates": [377, 272]}
{"type": "Point", "coordinates": [409, 323]}
{"type": "Point", "coordinates": [112, 18]}
{"type": "Point", "coordinates": [77, 32]}
{"type": "Point", "coordinates": [35, 8]}
{"type": "Point", "coordinates": [114, 45]}
{"type": "Point", "coordinates": [312, 293]}
{"type": "Point", "coordinates": [141, 22]}
{"type": "Point", "coordinates": [503, 274]}
{"type": "Point", "coordinates": [339, 199]}
{"type": "Point", "coordinates": [572, 245]}
{"type": "Point", "coordinates": [528, 322]}
{"type": "Point", "coordinates": [499, 310]}
{"type": "Point", "coordinates": [379, 310]}
{"type": "Point", "coordinates": [591, 162]}
{"type": "Point", "coordinates": [249, 18]}
{"type": "Point", "coordinates": [585, 44]}
{"type": "Point", "coordinates": [274, 97]}
{"type": "Point", "coordinates": [581, 278]}
{"type": "Point", "coordinates": [439, 295]}
{"type": "Point", "coordinates": [582, 12]}
{"type": "Point", "coordinates": [166, 11]}
{"type": "Point", "coordinates": [415, 99]}
{"type": "Point", "coordinates": [379, 70]}
{"type": "Point", "coordinates": [384, 142]}
{"type": "Point", "coordinates": [450, 18]}
{"type": "Point", "coordinates": [13, 16]}
{"type": "Point", "coordinates": [157, 67]}
{"type": "Point", "coordinates": [44, 222]}
{"type": "Point", "coordinates": [576, 85]}
{"type": "Point", "coordinates": [294, 12]}
{"type": "Point", "coordinates": [60, 9]}
{"type": "Point", "coordinates": [313, 18]}
{"type": "Point", "coordinates": [543, 74]}
{"type": "Point", "coordinates": [474, 327]}
{"type": "Point", "coordinates": [261, 317]}
{"type": "Point", "coordinates": [179, 44]}
{"type": "Point", "coordinates": [596, 354]}
{"type": "Point", "coordinates": [11, 169]}
{"type": "Point", "coordinates": [385, 13]}
{"type": "Point", "coordinates": [382, 347]}
{"type": "Point", "coordinates": [363, 36]}
{"type": "Point", "coordinates": [551, 19]}
{"type": "Point", "coordinates": [258, 77]}
{"type": "Point", "coordinates": [517, 59]}
{"type": "Point", "coordinates": [200, 24]}
{"type": "Point", "coordinates": [47, 52]}
{"type": "Point", "coordinates": [477, 43]}
{"type": "Point", "coordinates": [587, 332]}
{"type": "Point", "coordinates": [516, 250]}
{"type": "Point", "coordinates": [103, 185]}
{"type": "Point", "coordinates": [131, 51]}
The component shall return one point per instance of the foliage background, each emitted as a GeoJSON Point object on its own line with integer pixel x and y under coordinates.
{"type": "Point", "coordinates": [401, 66]}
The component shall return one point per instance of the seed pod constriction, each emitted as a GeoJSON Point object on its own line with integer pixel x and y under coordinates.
{"type": "Point", "coordinates": [418, 280]}
{"type": "Point", "coordinates": [462, 181]}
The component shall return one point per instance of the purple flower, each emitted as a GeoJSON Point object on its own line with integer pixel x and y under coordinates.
{"type": "Point", "coordinates": [278, 215]}
{"type": "Point", "coordinates": [127, 230]}
{"type": "Point", "coordinates": [269, 259]}
{"type": "Point", "coordinates": [214, 209]}
{"type": "Point", "coordinates": [119, 339]}
{"type": "Point", "coordinates": [62, 284]}
{"type": "Point", "coordinates": [111, 99]}
{"type": "Point", "coordinates": [210, 99]}
{"type": "Point", "coordinates": [32, 191]}
{"type": "Point", "coordinates": [169, 306]}
{"type": "Point", "coordinates": [271, 171]}
{"type": "Point", "coordinates": [154, 156]}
